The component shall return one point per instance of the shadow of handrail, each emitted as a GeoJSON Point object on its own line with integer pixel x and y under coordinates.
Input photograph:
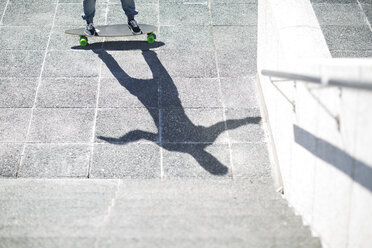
{"type": "Point", "coordinates": [334, 156]}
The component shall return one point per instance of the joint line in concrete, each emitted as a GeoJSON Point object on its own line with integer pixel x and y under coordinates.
{"type": "Point", "coordinates": [365, 17]}
{"type": "Point", "coordinates": [158, 21]}
{"type": "Point", "coordinates": [5, 9]}
{"type": "Point", "coordinates": [159, 106]}
{"type": "Point", "coordinates": [107, 216]}
{"type": "Point", "coordinates": [220, 88]}
{"type": "Point", "coordinates": [161, 144]}
{"type": "Point", "coordinates": [97, 105]}
{"type": "Point", "coordinates": [160, 132]}
{"type": "Point", "coordinates": [37, 90]}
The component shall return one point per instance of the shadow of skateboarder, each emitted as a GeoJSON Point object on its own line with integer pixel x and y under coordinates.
{"type": "Point", "coordinates": [182, 128]}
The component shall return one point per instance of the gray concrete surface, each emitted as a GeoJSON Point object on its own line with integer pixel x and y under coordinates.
{"type": "Point", "coordinates": [146, 213]}
{"type": "Point", "coordinates": [66, 108]}
{"type": "Point", "coordinates": [173, 128]}
{"type": "Point", "coordinates": [346, 25]}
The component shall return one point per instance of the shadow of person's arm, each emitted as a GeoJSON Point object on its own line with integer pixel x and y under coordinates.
{"type": "Point", "coordinates": [220, 127]}
{"type": "Point", "coordinates": [130, 137]}
{"type": "Point", "coordinates": [235, 123]}
{"type": "Point", "coordinates": [111, 64]}
{"type": "Point", "coordinates": [155, 65]}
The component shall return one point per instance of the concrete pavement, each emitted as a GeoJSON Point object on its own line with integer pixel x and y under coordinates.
{"type": "Point", "coordinates": [346, 25]}
{"type": "Point", "coordinates": [173, 131]}
{"type": "Point", "coordinates": [72, 112]}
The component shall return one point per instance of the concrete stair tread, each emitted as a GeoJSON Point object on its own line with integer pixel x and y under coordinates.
{"type": "Point", "coordinates": [140, 212]}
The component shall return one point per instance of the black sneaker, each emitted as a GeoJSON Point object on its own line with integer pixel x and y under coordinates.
{"type": "Point", "coordinates": [133, 26]}
{"type": "Point", "coordinates": [90, 30]}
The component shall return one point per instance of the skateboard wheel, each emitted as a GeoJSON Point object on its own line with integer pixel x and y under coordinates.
{"type": "Point", "coordinates": [151, 38]}
{"type": "Point", "coordinates": [83, 41]}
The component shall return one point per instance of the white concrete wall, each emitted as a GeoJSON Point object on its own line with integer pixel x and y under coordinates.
{"type": "Point", "coordinates": [322, 135]}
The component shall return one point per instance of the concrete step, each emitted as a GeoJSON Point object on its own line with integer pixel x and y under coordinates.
{"type": "Point", "coordinates": [42, 203]}
{"type": "Point", "coordinates": [103, 242]}
{"type": "Point", "coordinates": [47, 242]}
{"type": "Point", "coordinates": [132, 190]}
{"type": "Point", "coordinates": [68, 219]}
{"type": "Point", "coordinates": [137, 213]}
{"type": "Point", "coordinates": [207, 242]}
{"type": "Point", "coordinates": [204, 225]}
{"type": "Point", "coordinates": [49, 231]}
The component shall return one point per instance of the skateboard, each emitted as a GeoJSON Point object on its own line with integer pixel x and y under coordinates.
{"type": "Point", "coordinates": [116, 30]}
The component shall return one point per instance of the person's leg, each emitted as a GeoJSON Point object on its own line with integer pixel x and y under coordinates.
{"type": "Point", "coordinates": [130, 11]}
{"type": "Point", "coordinates": [89, 7]}
{"type": "Point", "coordinates": [129, 8]}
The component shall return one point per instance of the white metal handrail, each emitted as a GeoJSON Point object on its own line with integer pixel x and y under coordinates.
{"type": "Point", "coordinates": [319, 80]}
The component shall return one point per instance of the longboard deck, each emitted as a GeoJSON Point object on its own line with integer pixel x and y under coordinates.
{"type": "Point", "coordinates": [116, 30]}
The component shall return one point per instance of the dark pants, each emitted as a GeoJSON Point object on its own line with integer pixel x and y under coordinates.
{"type": "Point", "coordinates": [89, 7]}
